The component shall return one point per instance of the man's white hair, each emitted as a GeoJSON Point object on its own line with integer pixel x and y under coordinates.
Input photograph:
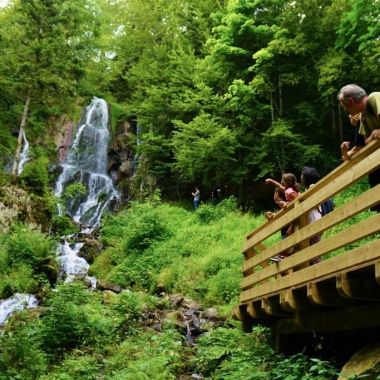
{"type": "Point", "coordinates": [351, 91]}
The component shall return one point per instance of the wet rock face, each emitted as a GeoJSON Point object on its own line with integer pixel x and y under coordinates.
{"type": "Point", "coordinates": [91, 248]}
{"type": "Point", "coordinates": [15, 205]}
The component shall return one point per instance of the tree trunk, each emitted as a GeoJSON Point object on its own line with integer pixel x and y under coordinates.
{"type": "Point", "coordinates": [271, 108]}
{"type": "Point", "coordinates": [16, 159]}
{"type": "Point", "coordinates": [280, 96]}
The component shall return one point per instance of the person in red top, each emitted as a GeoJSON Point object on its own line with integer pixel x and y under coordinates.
{"type": "Point", "coordinates": [290, 187]}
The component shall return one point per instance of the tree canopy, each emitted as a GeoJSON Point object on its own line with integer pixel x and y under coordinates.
{"type": "Point", "coordinates": [222, 91]}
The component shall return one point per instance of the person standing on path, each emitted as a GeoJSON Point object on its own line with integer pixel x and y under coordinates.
{"type": "Point", "coordinates": [197, 197]}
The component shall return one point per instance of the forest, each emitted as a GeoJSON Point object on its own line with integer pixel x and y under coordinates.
{"type": "Point", "coordinates": [206, 93]}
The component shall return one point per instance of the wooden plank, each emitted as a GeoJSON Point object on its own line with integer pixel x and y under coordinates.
{"type": "Point", "coordinates": [377, 272]}
{"type": "Point", "coordinates": [346, 178]}
{"type": "Point", "coordinates": [240, 313]}
{"type": "Point", "coordinates": [351, 234]}
{"type": "Point", "coordinates": [366, 253]}
{"type": "Point", "coordinates": [332, 176]}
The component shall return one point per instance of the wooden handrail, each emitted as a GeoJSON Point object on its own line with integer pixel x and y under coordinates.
{"type": "Point", "coordinates": [262, 280]}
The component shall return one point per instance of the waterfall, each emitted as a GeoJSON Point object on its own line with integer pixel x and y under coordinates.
{"type": "Point", "coordinates": [24, 156]}
{"type": "Point", "coordinates": [15, 303]}
{"type": "Point", "coordinates": [86, 163]}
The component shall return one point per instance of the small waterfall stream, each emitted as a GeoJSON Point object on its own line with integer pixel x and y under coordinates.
{"type": "Point", "coordinates": [86, 163]}
{"type": "Point", "coordinates": [24, 156]}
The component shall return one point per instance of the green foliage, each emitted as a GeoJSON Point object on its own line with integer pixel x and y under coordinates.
{"type": "Point", "coordinates": [74, 190]}
{"type": "Point", "coordinates": [301, 367]}
{"type": "Point", "coordinates": [27, 247]}
{"type": "Point", "coordinates": [147, 356]}
{"type": "Point", "coordinates": [35, 175]}
{"type": "Point", "coordinates": [204, 149]}
{"type": "Point", "coordinates": [208, 212]}
{"type": "Point", "coordinates": [187, 258]}
{"type": "Point", "coordinates": [65, 324]}
{"type": "Point", "coordinates": [140, 226]}
{"type": "Point", "coordinates": [230, 354]}
{"type": "Point", "coordinates": [21, 354]}
{"type": "Point", "coordinates": [279, 145]}
{"type": "Point", "coordinates": [63, 225]}
{"type": "Point", "coordinates": [19, 280]}
{"type": "Point", "coordinates": [75, 367]}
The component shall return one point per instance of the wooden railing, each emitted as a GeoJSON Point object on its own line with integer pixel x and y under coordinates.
{"type": "Point", "coordinates": [269, 289]}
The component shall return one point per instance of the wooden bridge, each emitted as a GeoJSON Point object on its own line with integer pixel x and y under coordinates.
{"type": "Point", "coordinates": [341, 293]}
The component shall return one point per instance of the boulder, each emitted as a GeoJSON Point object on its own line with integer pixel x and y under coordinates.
{"type": "Point", "coordinates": [105, 285]}
{"type": "Point", "coordinates": [90, 249]}
{"type": "Point", "coordinates": [365, 362]}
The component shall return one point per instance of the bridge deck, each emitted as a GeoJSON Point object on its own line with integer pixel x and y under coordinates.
{"type": "Point", "coordinates": [341, 291]}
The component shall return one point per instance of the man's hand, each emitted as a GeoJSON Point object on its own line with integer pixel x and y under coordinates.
{"type": "Point", "coordinates": [375, 135]}
{"type": "Point", "coordinates": [344, 148]}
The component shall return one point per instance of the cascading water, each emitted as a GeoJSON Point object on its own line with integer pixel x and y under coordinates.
{"type": "Point", "coordinates": [15, 303]}
{"type": "Point", "coordinates": [24, 156]}
{"type": "Point", "coordinates": [86, 163]}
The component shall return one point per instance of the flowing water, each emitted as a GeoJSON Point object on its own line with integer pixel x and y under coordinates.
{"type": "Point", "coordinates": [24, 156]}
{"type": "Point", "coordinates": [86, 164]}
{"type": "Point", "coordinates": [16, 303]}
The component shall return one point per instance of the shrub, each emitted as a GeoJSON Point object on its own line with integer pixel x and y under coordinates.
{"type": "Point", "coordinates": [27, 247]}
{"type": "Point", "coordinates": [21, 356]}
{"type": "Point", "coordinates": [63, 225]}
{"type": "Point", "coordinates": [35, 175]}
{"type": "Point", "coordinates": [64, 324]}
{"type": "Point", "coordinates": [224, 287]}
{"type": "Point", "coordinates": [208, 212]}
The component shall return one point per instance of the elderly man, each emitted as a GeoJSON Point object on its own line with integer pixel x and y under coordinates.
{"type": "Point", "coordinates": [363, 109]}
{"type": "Point", "coordinates": [355, 101]}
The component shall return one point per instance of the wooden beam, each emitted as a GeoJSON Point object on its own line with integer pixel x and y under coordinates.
{"type": "Point", "coordinates": [291, 300]}
{"type": "Point", "coordinates": [271, 306]}
{"type": "Point", "coordinates": [351, 234]}
{"type": "Point", "coordinates": [358, 256]}
{"type": "Point", "coordinates": [339, 320]}
{"type": "Point", "coordinates": [377, 272]}
{"type": "Point", "coordinates": [255, 311]}
{"type": "Point", "coordinates": [325, 294]}
{"type": "Point", "coordinates": [352, 287]}
{"type": "Point", "coordinates": [355, 206]}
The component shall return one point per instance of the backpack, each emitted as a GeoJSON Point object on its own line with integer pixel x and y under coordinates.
{"type": "Point", "coordinates": [327, 206]}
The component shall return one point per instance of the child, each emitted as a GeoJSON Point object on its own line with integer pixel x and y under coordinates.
{"type": "Point", "coordinates": [289, 185]}
{"type": "Point", "coordinates": [290, 188]}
